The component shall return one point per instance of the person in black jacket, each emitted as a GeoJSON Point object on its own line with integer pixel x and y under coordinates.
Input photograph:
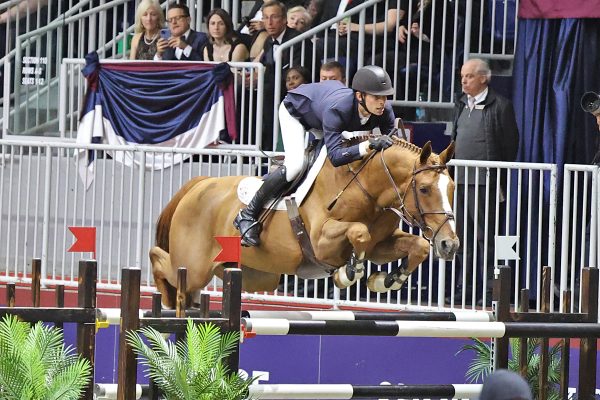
{"type": "Point", "coordinates": [184, 43]}
{"type": "Point", "coordinates": [484, 129]}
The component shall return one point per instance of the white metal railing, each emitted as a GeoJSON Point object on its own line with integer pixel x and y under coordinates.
{"type": "Point", "coordinates": [41, 195]}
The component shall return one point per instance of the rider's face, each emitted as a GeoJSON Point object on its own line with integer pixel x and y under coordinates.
{"type": "Point", "coordinates": [375, 104]}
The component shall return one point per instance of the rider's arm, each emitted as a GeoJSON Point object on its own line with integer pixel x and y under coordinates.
{"type": "Point", "coordinates": [333, 123]}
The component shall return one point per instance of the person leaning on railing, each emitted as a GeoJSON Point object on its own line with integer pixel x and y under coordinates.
{"type": "Point", "coordinates": [149, 19]}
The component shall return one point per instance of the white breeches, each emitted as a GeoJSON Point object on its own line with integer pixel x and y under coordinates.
{"type": "Point", "coordinates": [293, 135]}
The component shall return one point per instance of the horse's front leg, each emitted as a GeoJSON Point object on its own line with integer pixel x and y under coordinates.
{"type": "Point", "coordinates": [336, 238]}
{"type": "Point", "coordinates": [399, 245]}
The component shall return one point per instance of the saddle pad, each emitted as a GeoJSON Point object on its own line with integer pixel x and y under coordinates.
{"type": "Point", "coordinates": [248, 186]}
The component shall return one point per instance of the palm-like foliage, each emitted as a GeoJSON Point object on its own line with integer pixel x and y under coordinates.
{"type": "Point", "coordinates": [35, 364]}
{"type": "Point", "coordinates": [480, 366]}
{"type": "Point", "coordinates": [193, 368]}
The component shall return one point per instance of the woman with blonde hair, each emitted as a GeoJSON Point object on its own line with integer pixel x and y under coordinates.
{"type": "Point", "coordinates": [299, 18]}
{"type": "Point", "coordinates": [149, 19]}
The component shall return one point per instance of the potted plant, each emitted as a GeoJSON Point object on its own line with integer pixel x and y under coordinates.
{"type": "Point", "coordinates": [481, 365]}
{"type": "Point", "coordinates": [194, 367]}
{"type": "Point", "coordinates": [36, 365]}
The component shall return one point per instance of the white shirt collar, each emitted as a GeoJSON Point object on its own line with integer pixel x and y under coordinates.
{"type": "Point", "coordinates": [481, 96]}
{"type": "Point", "coordinates": [280, 37]}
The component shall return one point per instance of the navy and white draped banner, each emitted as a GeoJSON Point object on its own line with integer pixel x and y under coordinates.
{"type": "Point", "coordinates": [177, 104]}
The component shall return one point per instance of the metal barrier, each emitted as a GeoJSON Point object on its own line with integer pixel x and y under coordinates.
{"type": "Point", "coordinates": [41, 195]}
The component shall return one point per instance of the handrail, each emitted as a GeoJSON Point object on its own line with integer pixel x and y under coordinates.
{"type": "Point", "coordinates": [60, 17]}
{"type": "Point", "coordinates": [307, 35]}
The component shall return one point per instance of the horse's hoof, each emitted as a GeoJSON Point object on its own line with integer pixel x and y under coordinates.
{"type": "Point", "coordinates": [340, 278]}
{"type": "Point", "coordinates": [376, 282]}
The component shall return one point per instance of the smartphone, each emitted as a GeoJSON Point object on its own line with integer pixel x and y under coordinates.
{"type": "Point", "coordinates": [165, 34]}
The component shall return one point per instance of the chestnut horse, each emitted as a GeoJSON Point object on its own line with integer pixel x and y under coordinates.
{"type": "Point", "coordinates": [374, 194]}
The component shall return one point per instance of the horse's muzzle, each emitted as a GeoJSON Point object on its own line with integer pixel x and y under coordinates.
{"type": "Point", "coordinates": [446, 248]}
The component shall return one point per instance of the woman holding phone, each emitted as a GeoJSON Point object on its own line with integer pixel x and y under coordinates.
{"type": "Point", "coordinates": [149, 19]}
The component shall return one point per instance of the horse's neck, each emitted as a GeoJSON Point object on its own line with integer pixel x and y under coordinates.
{"type": "Point", "coordinates": [369, 188]}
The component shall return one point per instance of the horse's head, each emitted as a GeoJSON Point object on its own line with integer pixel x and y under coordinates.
{"type": "Point", "coordinates": [427, 199]}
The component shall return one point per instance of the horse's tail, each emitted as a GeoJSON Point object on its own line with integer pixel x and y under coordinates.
{"type": "Point", "coordinates": [163, 225]}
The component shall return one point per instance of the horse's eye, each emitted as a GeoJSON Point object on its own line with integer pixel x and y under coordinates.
{"type": "Point", "coordinates": [424, 189]}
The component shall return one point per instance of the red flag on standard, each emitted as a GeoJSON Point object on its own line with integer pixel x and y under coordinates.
{"type": "Point", "coordinates": [231, 249]}
{"type": "Point", "coordinates": [85, 239]}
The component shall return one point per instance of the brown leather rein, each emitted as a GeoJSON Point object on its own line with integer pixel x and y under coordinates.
{"type": "Point", "coordinates": [401, 211]}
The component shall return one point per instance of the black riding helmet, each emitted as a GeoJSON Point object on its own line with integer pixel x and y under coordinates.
{"type": "Point", "coordinates": [372, 80]}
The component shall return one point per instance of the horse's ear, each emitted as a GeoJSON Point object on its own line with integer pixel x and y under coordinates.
{"type": "Point", "coordinates": [425, 152]}
{"type": "Point", "coordinates": [448, 153]}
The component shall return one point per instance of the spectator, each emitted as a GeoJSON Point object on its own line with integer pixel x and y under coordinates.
{"type": "Point", "coordinates": [484, 129]}
{"type": "Point", "coordinates": [299, 19]}
{"type": "Point", "coordinates": [184, 43]}
{"type": "Point", "coordinates": [252, 32]}
{"type": "Point", "coordinates": [505, 385]}
{"type": "Point", "coordinates": [332, 70]}
{"type": "Point", "coordinates": [327, 108]}
{"type": "Point", "coordinates": [223, 45]}
{"type": "Point", "coordinates": [274, 19]}
{"type": "Point", "coordinates": [295, 77]}
{"type": "Point", "coordinates": [149, 19]}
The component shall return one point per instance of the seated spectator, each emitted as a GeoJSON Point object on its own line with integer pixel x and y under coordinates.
{"type": "Point", "coordinates": [183, 43]}
{"type": "Point", "coordinates": [223, 45]}
{"type": "Point", "coordinates": [332, 71]}
{"type": "Point", "coordinates": [149, 19]}
{"type": "Point", "coordinates": [252, 32]}
{"type": "Point", "coordinates": [296, 76]}
{"type": "Point", "coordinates": [299, 19]}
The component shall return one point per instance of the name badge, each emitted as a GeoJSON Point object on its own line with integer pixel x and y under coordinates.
{"type": "Point", "coordinates": [479, 106]}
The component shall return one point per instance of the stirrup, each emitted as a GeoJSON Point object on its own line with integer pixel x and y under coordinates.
{"type": "Point", "coordinates": [245, 233]}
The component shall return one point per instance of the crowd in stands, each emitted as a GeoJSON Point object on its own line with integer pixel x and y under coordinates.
{"type": "Point", "coordinates": [399, 36]}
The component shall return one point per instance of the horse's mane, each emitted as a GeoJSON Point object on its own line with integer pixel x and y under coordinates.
{"type": "Point", "coordinates": [407, 145]}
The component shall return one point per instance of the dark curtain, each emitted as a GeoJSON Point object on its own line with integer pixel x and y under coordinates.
{"type": "Point", "coordinates": [556, 61]}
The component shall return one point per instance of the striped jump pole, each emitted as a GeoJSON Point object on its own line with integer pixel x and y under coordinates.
{"type": "Point", "coordinates": [319, 315]}
{"type": "Point", "coordinates": [420, 328]}
{"type": "Point", "coordinates": [332, 391]}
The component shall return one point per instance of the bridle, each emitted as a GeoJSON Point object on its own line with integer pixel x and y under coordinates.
{"type": "Point", "coordinates": [401, 211]}
{"type": "Point", "coordinates": [405, 215]}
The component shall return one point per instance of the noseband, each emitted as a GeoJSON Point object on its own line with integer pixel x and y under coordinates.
{"type": "Point", "coordinates": [419, 221]}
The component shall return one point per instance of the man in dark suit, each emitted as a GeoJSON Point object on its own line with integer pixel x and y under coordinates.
{"type": "Point", "coordinates": [184, 43]}
{"type": "Point", "coordinates": [275, 22]}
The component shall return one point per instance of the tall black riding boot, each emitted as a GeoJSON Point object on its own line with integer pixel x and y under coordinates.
{"type": "Point", "coordinates": [247, 220]}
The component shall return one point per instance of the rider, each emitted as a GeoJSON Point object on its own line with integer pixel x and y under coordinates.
{"type": "Point", "coordinates": [326, 109]}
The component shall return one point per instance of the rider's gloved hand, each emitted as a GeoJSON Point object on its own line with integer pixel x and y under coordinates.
{"type": "Point", "coordinates": [380, 142]}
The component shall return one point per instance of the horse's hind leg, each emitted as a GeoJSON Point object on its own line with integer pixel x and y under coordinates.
{"type": "Point", "coordinates": [161, 265]}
